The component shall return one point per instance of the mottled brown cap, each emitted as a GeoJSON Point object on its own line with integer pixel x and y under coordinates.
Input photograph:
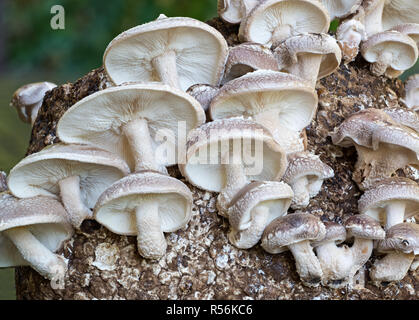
{"type": "Point", "coordinates": [203, 93]}
{"type": "Point", "coordinates": [290, 229]}
{"type": "Point", "coordinates": [404, 117]}
{"type": "Point", "coordinates": [306, 164]}
{"type": "Point", "coordinates": [335, 232]}
{"type": "Point", "coordinates": [248, 57]}
{"type": "Point", "coordinates": [274, 195]}
{"type": "Point", "coordinates": [364, 227]}
{"type": "Point", "coordinates": [374, 200]}
{"type": "Point", "coordinates": [114, 209]}
{"type": "Point", "coordinates": [211, 174]}
{"type": "Point", "coordinates": [403, 237]}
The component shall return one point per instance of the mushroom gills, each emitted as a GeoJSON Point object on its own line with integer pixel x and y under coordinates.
{"type": "Point", "coordinates": [46, 263]}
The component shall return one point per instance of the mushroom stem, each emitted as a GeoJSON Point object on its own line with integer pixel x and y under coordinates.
{"type": "Point", "coordinates": [383, 62]}
{"type": "Point", "coordinates": [301, 194]}
{"type": "Point", "coordinates": [72, 200]}
{"type": "Point", "coordinates": [361, 251]}
{"type": "Point", "coordinates": [394, 213]}
{"type": "Point", "coordinates": [166, 68]}
{"type": "Point", "coordinates": [139, 139]}
{"type": "Point", "coordinates": [393, 267]}
{"type": "Point", "coordinates": [150, 238]}
{"type": "Point", "coordinates": [249, 237]}
{"type": "Point", "coordinates": [307, 68]}
{"type": "Point", "coordinates": [40, 258]}
{"type": "Point", "coordinates": [307, 264]}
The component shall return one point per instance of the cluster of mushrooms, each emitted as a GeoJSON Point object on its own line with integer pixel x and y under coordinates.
{"type": "Point", "coordinates": [168, 76]}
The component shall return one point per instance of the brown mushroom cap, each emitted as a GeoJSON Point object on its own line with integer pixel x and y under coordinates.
{"type": "Point", "coordinates": [403, 237]}
{"type": "Point", "coordinates": [200, 52]}
{"type": "Point", "coordinates": [248, 57]}
{"type": "Point", "coordinates": [203, 93]}
{"type": "Point", "coordinates": [375, 199]}
{"type": "Point", "coordinates": [404, 117]}
{"type": "Point", "coordinates": [211, 174]}
{"type": "Point", "coordinates": [364, 227]}
{"type": "Point", "coordinates": [44, 217]}
{"type": "Point", "coordinates": [275, 20]}
{"type": "Point", "coordinates": [290, 229]}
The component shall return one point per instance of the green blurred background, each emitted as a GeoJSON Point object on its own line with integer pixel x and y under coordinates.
{"type": "Point", "coordinates": [31, 51]}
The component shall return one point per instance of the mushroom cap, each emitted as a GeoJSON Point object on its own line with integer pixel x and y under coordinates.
{"type": "Point", "coordinates": [301, 15]}
{"type": "Point", "coordinates": [302, 164]}
{"type": "Point", "coordinates": [396, 12]}
{"type": "Point", "coordinates": [341, 8]}
{"type": "Point", "coordinates": [115, 208]}
{"type": "Point", "coordinates": [203, 93]}
{"type": "Point", "coordinates": [233, 11]}
{"type": "Point", "coordinates": [402, 48]}
{"type": "Point", "coordinates": [404, 117]}
{"type": "Point", "coordinates": [201, 52]}
{"type": "Point", "coordinates": [364, 227]}
{"type": "Point", "coordinates": [31, 94]}
{"type": "Point", "coordinates": [290, 229]}
{"type": "Point", "coordinates": [403, 237]}
{"type": "Point", "coordinates": [290, 50]}
{"type": "Point", "coordinates": [375, 199]}
{"type": "Point", "coordinates": [412, 92]}
{"type": "Point", "coordinates": [409, 29]}
{"type": "Point", "coordinates": [3, 181]}
{"type": "Point", "coordinates": [97, 119]}
{"type": "Point", "coordinates": [40, 173]}
{"type": "Point", "coordinates": [248, 57]}
{"type": "Point", "coordinates": [279, 96]}
{"type": "Point", "coordinates": [211, 174]}
{"type": "Point", "coordinates": [335, 232]}
{"type": "Point", "coordinates": [44, 217]}
{"type": "Point", "coordinates": [274, 195]}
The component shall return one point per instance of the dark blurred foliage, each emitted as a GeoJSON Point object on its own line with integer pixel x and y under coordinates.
{"type": "Point", "coordinates": [32, 45]}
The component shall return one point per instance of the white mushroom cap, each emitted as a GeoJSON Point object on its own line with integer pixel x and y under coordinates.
{"type": "Point", "coordinates": [409, 29]}
{"type": "Point", "coordinates": [28, 99]}
{"type": "Point", "coordinates": [254, 207]}
{"type": "Point", "coordinates": [30, 230]}
{"type": "Point", "coordinates": [390, 52]}
{"type": "Point", "coordinates": [130, 121]}
{"type": "Point", "coordinates": [391, 201]}
{"type": "Point", "coordinates": [283, 103]}
{"type": "Point", "coordinates": [310, 56]}
{"type": "Point", "coordinates": [78, 174]}
{"type": "Point", "coordinates": [275, 20]}
{"type": "Point", "coordinates": [205, 168]}
{"type": "Point", "coordinates": [248, 57]}
{"type": "Point", "coordinates": [341, 8]}
{"type": "Point", "coordinates": [233, 11]}
{"type": "Point", "coordinates": [412, 92]}
{"type": "Point", "coordinates": [145, 204]}
{"type": "Point", "coordinates": [178, 51]}
{"type": "Point", "coordinates": [305, 174]}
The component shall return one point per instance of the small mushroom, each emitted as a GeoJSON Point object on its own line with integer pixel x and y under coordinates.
{"type": "Point", "coordinates": [349, 35]}
{"type": "Point", "coordinates": [253, 208]}
{"type": "Point", "coordinates": [177, 51]}
{"type": "Point", "coordinates": [390, 52]}
{"type": "Point", "coordinates": [248, 57]}
{"type": "Point", "coordinates": [400, 245]}
{"type": "Point", "coordinates": [28, 100]}
{"type": "Point", "coordinates": [145, 204]}
{"type": "Point", "coordinates": [132, 121]}
{"type": "Point", "coordinates": [203, 93]}
{"type": "Point", "coordinates": [233, 11]}
{"type": "Point", "coordinates": [31, 230]}
{"type": "Point", "coordinates": [341, 8]}
{"type": "Point", "coordinates": [310, 56]}
{"type": "Point", "coordinates": [273, 21]}
{"type": "Point", "coordinates": [281, 102]}
{"type": "Point", "coordinates": [226, 155]}
{"type": "Point", "coordinates": [391, 201]}
{"type": "Point", "coordinates": [305, 174]}
{"type": "Point", "coordinates": [405, 117]}
{"type": "Point", "coordinates": [295, 232]}
{"type": "Point", "coordinates": [74, 173]}
{"type": "Point", "coordinates": [412, 92]}
{"type": "Point", "coordinates": [383, 146]}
